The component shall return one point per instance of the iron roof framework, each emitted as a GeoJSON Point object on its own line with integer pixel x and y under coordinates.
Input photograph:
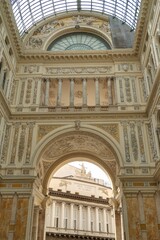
{"type": "Point", "coordinates": [29, 12]}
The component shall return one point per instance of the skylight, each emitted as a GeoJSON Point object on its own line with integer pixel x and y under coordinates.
{"type": "Point", "coordinates": [28, 12]}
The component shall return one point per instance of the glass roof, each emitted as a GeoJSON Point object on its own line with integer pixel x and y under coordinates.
{"type": "Point", "coordinates": [28, 12]}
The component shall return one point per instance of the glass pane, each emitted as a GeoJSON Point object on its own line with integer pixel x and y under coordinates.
{"type": "Point", "coordinates": [125, 10]}
{"type": "Point", "coordinates": [78, 41]}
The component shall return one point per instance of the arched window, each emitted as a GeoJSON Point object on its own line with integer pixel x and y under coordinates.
{"type": "Point", "coordinates": [79, 41]}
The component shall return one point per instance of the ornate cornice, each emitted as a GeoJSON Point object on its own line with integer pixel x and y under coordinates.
{"type": "Point", "coordinates": [141, 26]}
{"type": "Point", "coordinates": [76, 196]}
{"type": "Point", "coordinates": [79, 56]}
{"type": "Point", "coordinates": [54, 235]}
{"type": "Point", "coordinates": [154, 96]}
{"type": "Point", "coordinates": [10, 23]}
{"type": "Point", "coordinates": [40, 117]}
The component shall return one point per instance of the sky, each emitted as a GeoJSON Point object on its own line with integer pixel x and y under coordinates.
{"type": "Point", "coordinates": [96, 172]}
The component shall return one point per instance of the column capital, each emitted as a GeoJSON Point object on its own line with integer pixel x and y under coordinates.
{"type": "Point", "coordinates": [71, 79]}
{"type": "Point", "coordinates": [46, 79]}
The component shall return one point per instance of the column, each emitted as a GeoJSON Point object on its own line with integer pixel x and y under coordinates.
{"type": "Point", "coordinates": [109, 91]}
{"type": "Point", "coordinates": [71, 215]}
{"type": "Point", "coordinates": [9, 83]}
{"type": "Point", "coordinates": [122, 227]}
{"type": "Point", "coordinates": [72, 93]}
{"type": "Point", "coordinates": [142, 216]}
{"type": "Point", "coordinates": [97, 219]}
{"type": "Point", "coordinates": [35, 223]}
{"type": "Point", "coordinates": [80, 217]}
{"type": "Point", "coordinates": [47, 92]}
{"type": "Point", "coordinates": [117, 222]}
{"type": "Point", "coordinates": [158, 135]}
{"type": "Point", "coordinates": [38, 94]}
{"type": "Point", "coordinates": [113, 91]}
{"type": "Point", "coordinates": [104, 221]}
{"type": "Point", "coordinates": [53, 213]}
{"type": "Point", "coordinates": [97, 97]}
{"type": "Point", "coordinates": [1, 51]}
{"type": "Point", "coordinates": [84, 89]}
{"type": "Point", "coordinates": [157, 200]}
{"type": "Point", "coordinates": [62, 215]}
{"type": "Point", "coordinates": [59, 94]}
{"type": "Point", "coordinates": [125, 218]}
{"type": "Point", "coordinates": [110, 221]}
{"type": "Point", "coordinates": [3, 76]}
{"type": "Point", "coordinates": [88, 218]}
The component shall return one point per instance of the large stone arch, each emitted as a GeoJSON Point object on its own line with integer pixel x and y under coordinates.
{"type": "Point", "coordinates": [73, 157]}
{"type": "Point", "coordinates": [69, 142]}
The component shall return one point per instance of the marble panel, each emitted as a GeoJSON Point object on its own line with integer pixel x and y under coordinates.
{"type": "Point", "coordinates": [151, 218]}
{"type": "Point", "coordinates": [133, 218]}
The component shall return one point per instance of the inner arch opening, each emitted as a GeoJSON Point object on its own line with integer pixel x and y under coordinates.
{"type": "Point", "coordinates": [80, 201]}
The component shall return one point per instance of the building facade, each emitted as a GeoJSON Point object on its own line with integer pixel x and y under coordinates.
{"type": "Point", "coordinates": [79, 84]}
{"type": "Point", "coordinates": [79, 206]}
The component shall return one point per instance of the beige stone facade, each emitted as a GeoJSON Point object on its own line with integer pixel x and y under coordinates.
{"type": "Point", "coordinates": [100, 106]}
{"type": "Point", "coordinates": [79, 204]}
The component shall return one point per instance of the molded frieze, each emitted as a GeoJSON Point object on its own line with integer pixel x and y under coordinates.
{"type": "Point", "coordinates": [79, 70]}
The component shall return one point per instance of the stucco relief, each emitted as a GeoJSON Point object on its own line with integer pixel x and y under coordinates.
{"type": "Point", "coordinates": [112, 129]}
{"type": "Point", "coordinates": [82, 70]}
{"type": "Point", "coordinates": [77, 142]}
{"type": "Point", "coordinates": [152, 141]}
{"type": "Point", "coordinates": [31, 69]}
{"type": "Point", "coordinates": [45, 129]}
{"type": "Point", "coordinates": [5, 143]}
{"type": "Point", "coordinates": [41, 34]}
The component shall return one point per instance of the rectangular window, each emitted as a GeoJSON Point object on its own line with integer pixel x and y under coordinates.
{"type": "Point", "coordinates": [100, 229]}
{"type": "Point", "coordinates": [75, 224]}
{"type": "Point", "coordinates": [107, 228]}
{"type": "Point", "coordinates": [65, 223]}
{"type": "Point", "coordinates": [91, 226]}
{"type": "Point", "coordinates": [56, 222]}
{"type": "Point", "coordinates": [4, 79]}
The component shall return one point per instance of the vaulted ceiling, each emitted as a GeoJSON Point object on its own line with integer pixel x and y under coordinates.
{"type": "Point", "coordinates": [28, 12]}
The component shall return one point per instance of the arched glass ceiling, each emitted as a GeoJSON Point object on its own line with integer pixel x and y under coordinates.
{"type": "Point", "coordinates": [28, 12]}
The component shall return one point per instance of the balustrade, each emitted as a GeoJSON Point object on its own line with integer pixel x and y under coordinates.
{"type": "Point", "coordinates": [102, 97]}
